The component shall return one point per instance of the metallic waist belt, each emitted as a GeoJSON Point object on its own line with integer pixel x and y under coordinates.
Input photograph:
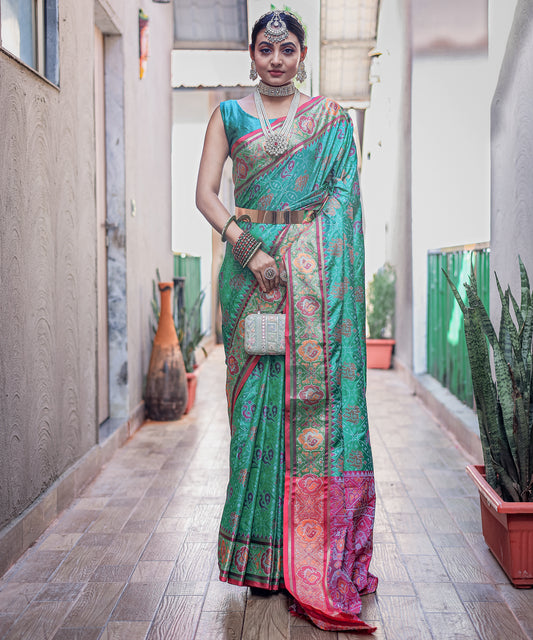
{"type": "Point", "coordinates": [284, 216]}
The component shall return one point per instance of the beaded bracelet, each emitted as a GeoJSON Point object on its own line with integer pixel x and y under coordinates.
{"type": "Point", "coordinates": [225, 227]}
{"type": "Point", "coordinates": [245, 247]}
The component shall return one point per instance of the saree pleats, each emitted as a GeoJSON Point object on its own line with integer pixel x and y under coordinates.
{"type": "Point", "coordinates": [300, 504]}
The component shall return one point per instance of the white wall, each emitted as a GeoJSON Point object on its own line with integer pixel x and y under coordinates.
{"type": "Point", "coordinates": [386, 170]}
{"type": "Point", "coordinates": [501, 13]}
{"type": "Point", "coordinates": [191, 232]}
{"type": "Point", "coordinates": [450, 166]}
{"type": "Point", "coordinates": [383, 148]}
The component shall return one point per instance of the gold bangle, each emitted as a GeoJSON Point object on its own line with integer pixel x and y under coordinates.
{"type": "Point", "coordinates": [225, 227]}
{"type": "Point", "coordinates": [252, 254]}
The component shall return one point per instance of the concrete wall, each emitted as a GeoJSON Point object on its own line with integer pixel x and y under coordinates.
{"type": "Point", "coordinates": [48, 314]}
{"type": "Point", "coordinates": [386, 170]}
{"type": "Point", "coordinates": [512, 158]}
{"type": "Point", "coordinates": [47, 262]}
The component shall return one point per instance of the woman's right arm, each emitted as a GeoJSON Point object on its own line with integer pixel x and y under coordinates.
{"type": "Point", "coordinates": [214, 155]}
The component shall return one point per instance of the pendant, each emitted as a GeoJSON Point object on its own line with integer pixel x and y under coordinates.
{"type": "Point", "coordinates": [276, 144]}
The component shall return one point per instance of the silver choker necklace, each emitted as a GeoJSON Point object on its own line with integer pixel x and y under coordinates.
{"type": "Point", "coordinates": [276, 141]}
{"type": "Point", "coordinates": [276, 92]}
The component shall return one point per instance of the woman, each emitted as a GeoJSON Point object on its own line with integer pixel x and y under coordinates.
{"type": "Point", "coordinates": [300, 502]}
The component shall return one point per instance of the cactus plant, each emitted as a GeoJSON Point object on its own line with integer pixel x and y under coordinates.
{"type": "Point", "coordinates": [502, 377]}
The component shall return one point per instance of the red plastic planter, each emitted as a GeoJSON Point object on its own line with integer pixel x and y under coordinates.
{"type": "Point", "coordinates": [507, 528]}
{"type": "Point", "coordinates": [379, 353]}
{"type": "Point", "coordinates": [192, 381]}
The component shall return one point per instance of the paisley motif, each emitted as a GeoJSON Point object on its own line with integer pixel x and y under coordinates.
{"type": "Point", "coordinates": [308, 306]}
{"type": "Point", "coordinates": [310, 483]}
{"type": "Point", "coordinates": [241, 558]}
{"type": "Point", "coordinates": [266, 561]}
{"type": "Point", "coordinates": [301, 182]}
{"type": "Point", "coordinates": [310, 350]}
{"type": "Point", "coordinates": [311, 394]}
{"type": "Point", "coordinates": [305, 263]}
{"type": "Point", "coordinates": [233, 365]}
{"type": "Point", "coordinates": [352, 414]}
{"type": "Point", "coordinates": [309, 575]}
{"type": "Point", "coordinates": [310, 439]}
{"type": "Point", "coordinates": [307, 124]}
{"type": "Point", "coordinates": [349, 371]}
{"type": "Point", "coordinates": [309, 530]}
{"type": "Point", "coordinates": [241, 169]}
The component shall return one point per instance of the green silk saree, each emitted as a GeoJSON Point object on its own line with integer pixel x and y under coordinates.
{"type": "Point", "coordinates": [300, 502]}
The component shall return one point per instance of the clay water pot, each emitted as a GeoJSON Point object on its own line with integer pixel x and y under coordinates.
{"type": "Point", "coordinates": [166, 384]}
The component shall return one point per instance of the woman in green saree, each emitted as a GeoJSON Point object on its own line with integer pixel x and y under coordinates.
{"type": "Point", "coordinates": [300, 502]}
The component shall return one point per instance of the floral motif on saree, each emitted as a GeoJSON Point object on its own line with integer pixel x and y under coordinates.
{"type": "Point", "coordinates": [300, 503]}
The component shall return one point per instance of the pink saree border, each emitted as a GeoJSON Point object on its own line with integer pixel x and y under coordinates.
{"type": "Point", "coordinates": [305, 574]}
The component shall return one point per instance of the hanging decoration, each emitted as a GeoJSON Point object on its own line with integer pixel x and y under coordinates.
{"type": "Point", "coordinates": [143, 42]}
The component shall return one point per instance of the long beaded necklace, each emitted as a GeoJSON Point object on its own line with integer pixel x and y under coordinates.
{"type": "Point", "coordinates": [276, 142]}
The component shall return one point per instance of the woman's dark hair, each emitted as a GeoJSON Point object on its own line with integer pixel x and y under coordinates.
{"type": "Point", "coordinates": [293, 25]}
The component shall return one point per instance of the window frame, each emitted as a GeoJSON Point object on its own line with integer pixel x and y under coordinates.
{"type": "Point", "coordinates": [45, 40]}
{"type": "Point", "coordinates": [224, 45]}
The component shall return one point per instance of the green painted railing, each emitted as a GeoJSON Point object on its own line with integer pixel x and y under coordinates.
{"type": "Point", "coordinates": [447, 357]}
{"type": "Point", "coordinates": [188, 267]}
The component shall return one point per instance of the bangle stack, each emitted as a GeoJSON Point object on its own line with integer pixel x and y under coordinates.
{"type": "Point", "coordinates": [225, 227]}
{"type": "Point", "coordinates": [245, 248]}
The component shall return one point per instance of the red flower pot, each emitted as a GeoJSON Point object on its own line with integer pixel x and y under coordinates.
{"type": "Point", "coordinates": [379, 353]}
{"type": "Point", "coordinates": [192, 381]}
{"type": "Point", "coordinates": [507, 528]}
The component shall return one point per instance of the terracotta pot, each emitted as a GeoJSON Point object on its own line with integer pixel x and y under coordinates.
{"type": "Point", "coordinates": [379, 353]}
{"type": "Point", "coordinates": [507, 528]}
{"type": "Point", "coordinates": [166, 384]}
{"type": "Point", "coordinates": [192, 381]}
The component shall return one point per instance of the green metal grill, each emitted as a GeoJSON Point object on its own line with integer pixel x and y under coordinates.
{"type": "Point", "coordinates": [447, 357]}
{"type": "Point", "coordinates": [188, 267]}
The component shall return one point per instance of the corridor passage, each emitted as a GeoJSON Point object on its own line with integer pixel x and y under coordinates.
{"type": "Point", "coordinates": [135, 556]}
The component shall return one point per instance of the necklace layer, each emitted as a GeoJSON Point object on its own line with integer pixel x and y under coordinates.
{"type": "Point", "coordinates": [277, 92]}
{"type": "Point", "coordinates": [276, 142]}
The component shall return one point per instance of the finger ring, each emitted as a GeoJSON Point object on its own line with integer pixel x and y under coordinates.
{"type": "Point", "coordinates": [269, 273]}
{"type": "Point", "coordinates": [283, 276]}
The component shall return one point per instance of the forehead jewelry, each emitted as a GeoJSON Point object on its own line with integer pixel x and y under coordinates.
{"type": "Point", "coordinates": [276, 29]}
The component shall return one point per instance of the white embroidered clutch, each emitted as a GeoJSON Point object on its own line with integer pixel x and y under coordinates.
{"type": "Point", "coordinates": [264, 334]}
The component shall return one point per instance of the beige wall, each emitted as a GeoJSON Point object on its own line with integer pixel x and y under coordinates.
{"type": "Point", "coordinates": [48, 377]}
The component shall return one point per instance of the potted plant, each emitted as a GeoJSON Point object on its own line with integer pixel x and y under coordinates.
{"type": "Point", "coordinates": [188, 328]}
{"type": "Point", "coordinates": [381, 298]}
{"type": "Point", "coordinates": [502, 377]}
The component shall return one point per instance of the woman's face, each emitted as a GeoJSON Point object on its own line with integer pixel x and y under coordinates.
{"type": "Point", "coordinates": [277, 63]}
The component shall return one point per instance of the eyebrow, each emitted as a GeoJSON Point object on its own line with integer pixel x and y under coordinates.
{"type": "Point", "coordinates": [269, 44]}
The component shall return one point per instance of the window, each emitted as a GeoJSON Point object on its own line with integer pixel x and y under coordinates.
{"type": "Point", "coordinates": [210, 24]}
{"type": "Point", "coordinates": [30, 32]}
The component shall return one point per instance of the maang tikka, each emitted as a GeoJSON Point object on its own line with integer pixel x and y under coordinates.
{"type": "Point", "coordinates": [276, 29]}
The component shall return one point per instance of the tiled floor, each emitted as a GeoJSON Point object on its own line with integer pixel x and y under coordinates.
{"type": "Point", "coordinates": [135, 556]}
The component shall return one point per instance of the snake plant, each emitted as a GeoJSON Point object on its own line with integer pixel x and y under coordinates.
{"type": "Point", "coordinates": [502, 376]}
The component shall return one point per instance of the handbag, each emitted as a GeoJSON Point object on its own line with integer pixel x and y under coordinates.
{"type": "Point", "coordinates": [264, 334]}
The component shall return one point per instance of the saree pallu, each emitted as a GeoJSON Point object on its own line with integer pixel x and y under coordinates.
{"type": "Point", "coordinates": [300, 502]}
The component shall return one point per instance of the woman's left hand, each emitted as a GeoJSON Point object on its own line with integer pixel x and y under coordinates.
{"type": "Point", "coordinates": [263, 265]}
